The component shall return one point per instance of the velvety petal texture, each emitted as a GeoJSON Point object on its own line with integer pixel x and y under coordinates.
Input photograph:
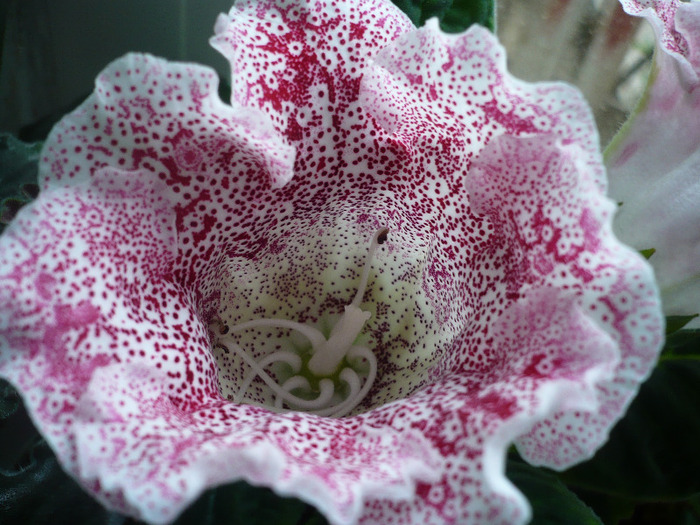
{"type": "Point", "coordinates": [654, 162]}
{"type": "Point", "coordinates": [180, 243]}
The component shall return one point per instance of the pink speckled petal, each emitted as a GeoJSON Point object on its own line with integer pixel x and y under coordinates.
{"type": "Point", "coordinates": [137, 118]}
{"type": "Point", "coordinates": [675, 23]}
{"type": "Point", "coordinates": [302, 62]}
{"type": "Point", "coordinates": [116, 368]}
{"type": "Point", "coordinates": [653, 163]}
{"type": "Point", "coordinates": [557, 226]}
{"type": "Point", "coordinates": [450, 94]}
{"type": "Point", "coordinates": [501, 307]}
{"type": "Point", "coordinates": [107, 333]}
{"type": "Point", "coordinates": [545, 355]}
{"type": "Point", "coordinates": [143, 454]}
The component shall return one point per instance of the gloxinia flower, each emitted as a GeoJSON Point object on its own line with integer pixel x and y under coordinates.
{"type": "Point", "coordinates": [654, 163]}
{"type": "Point", "coordinates": [384, 263]}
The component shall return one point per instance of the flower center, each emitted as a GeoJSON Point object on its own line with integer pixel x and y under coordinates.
{"type": "Point", "coordinates": [331, 378]}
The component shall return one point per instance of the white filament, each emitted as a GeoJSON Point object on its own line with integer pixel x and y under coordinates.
{"type": "Point", "coordinates": [290, 358]}
{"type": "Point", "coordinates": [351, 402]}
{"type": "Point", "coordinates": [326, 357]}
{"type": "Point", "coordinates": [314, 336]}
{"type": "Point", "coordinates": [326, 386]}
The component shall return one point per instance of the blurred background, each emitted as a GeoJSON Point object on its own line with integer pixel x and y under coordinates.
{"type": "Point", "coordinates": [593, 44]}
{"type": "Point", "coordinates": [52, 50]}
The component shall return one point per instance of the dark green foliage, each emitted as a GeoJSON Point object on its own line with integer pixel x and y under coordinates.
{"type": "Point", "coordinates": [455, 15]}
{"type": "Point", "coordinates": [650, 464]}
{"type": "Point", "coordinates": [39, 492]}
{"type": "Point", "coordinates": [9, 401]}
{"type": "Point", "coordinates": [552, 503]}
{"type": "Point", "coordinates": [674, 323]}
{"type": "Point", "coordinates": [243, 504]}
{"type": "Point", "coordinates": [34, 489]}
{"type": "Point", "coordinates": [652, 453]}
{"type": "Point", "coordinates": [648, 252]}
{"type": "Point", "coordinates": [18, 175]}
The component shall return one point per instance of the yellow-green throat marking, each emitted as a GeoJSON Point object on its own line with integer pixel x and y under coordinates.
{"type": "Point", "coordinates": [341, 372]}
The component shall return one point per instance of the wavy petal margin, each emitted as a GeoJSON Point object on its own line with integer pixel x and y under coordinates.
{"type": "Point", "coordinates": [503, 308]}
{"type": "Point", "coordinates": [654, 162]}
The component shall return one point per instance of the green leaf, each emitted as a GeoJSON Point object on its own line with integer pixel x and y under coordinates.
{"type": "Point", "coordinates": [38, 130]}
{"type": "Point", "coordinates": [42, 493]}
{"type": "Point", "coordinates": [9, 209]}
{"type": "Point", "coordinates": [686, 512]}
{"type": "Point", "coordinates": [18, 174]}
{"type": "Point", "coordinates": [9, 400]}
{"type": "Point", "coordinates": [243, 504]}
{"type": "Point", "coordinates": [5, 17]}
{"type": "Point", "coordinates": [34, 489]}
{"type": "Point", "coordinates": [224, 89]}
{"type": "Point", "coordinates": [18, 165]}
{"type": "Point", "coordinates": [610, 509]}
{"type": "Point", "coordinates": [17, 433]}
{"type": "Point", "coordinates": [464, 13]}
{"type": "Point", "coordinates": [647, 253]}
{"type": "Point", "coordinates": [682, 345]}
{"type": "Point", "coordinates": [652, 454]}
{"type": "Point", "coordinates": [676, 322]}
{"type": "Point", "coordinates": [455, 15]}
{"type": "Point", "coordinates": [552, 503]}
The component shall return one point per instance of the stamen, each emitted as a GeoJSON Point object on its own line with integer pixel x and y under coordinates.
{"type": "Point", "coordinates": [350, 324]}
{"type": "Point", "coordinates": [290, 358]}
{"type": "Point", "coordinates": [314, 336]}
{"type": "Point", "coordinates": [290, 384]}
{"type": "Point", "coordinates": [326, 357]}
{"type": "Point", "coordinates": [351, 402]}
{"type": "Point", "coordinates": [326, 386]}
{"type": "Point", "coordinates": [379, 238]}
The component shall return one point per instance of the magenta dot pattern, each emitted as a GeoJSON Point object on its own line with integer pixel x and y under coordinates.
{"type": "Point", "coordinates": [503, 309]}
{"type": "Point", "coordinates": [674, 24]}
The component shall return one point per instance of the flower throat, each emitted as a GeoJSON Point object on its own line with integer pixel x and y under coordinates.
{"type": "Point", "coordinates": [330, 379]}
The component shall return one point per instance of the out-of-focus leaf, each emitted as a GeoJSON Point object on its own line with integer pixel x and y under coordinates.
{"type": "Point", "coordinates": [34, 489]}
{"type": "Point", "coordinates": [224, 89]}
{"type": "Point", "coordinates": [41, 493]}
{"type": "Point", "coordinates": [38, 131]}
{"type": "Point", "coordinates": [18, 165]}
{"type": "Point", "coordinates": [17, 433]}
{"type": "Point", "coordinates": [18, 175]}
{"type": "Point", "coordinates": [647, 253]}
{"type": "Point", "coordinates": [612, 510]}
{"type": "Point", "coordinates": [243, 504]}
{"type": "Point", "coordinates": [9, 400]}
{"type": "Point", "coordinates": [4, 21]}
{"type": "Point", "coordinates": [552, 503]}
{"type": "Point", "coordinates": [9, 208]}
{"type": "Point", "coordinates": [683, 345]}
{"type": "Point", "coordinates": [677, 322]}
{"type": "Point", "coordinates": [686, 512]}
{"type": "Point", "coordinates": [652, 454]}
{"type": "Point", "coordinates": [455, 15]}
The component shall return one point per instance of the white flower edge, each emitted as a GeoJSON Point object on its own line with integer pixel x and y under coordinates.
{"type": "Point", "coordinates": [654, 161]}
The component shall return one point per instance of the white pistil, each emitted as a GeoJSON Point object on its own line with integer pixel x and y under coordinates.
{"type": "Point", "coordinates": [326, 359]}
